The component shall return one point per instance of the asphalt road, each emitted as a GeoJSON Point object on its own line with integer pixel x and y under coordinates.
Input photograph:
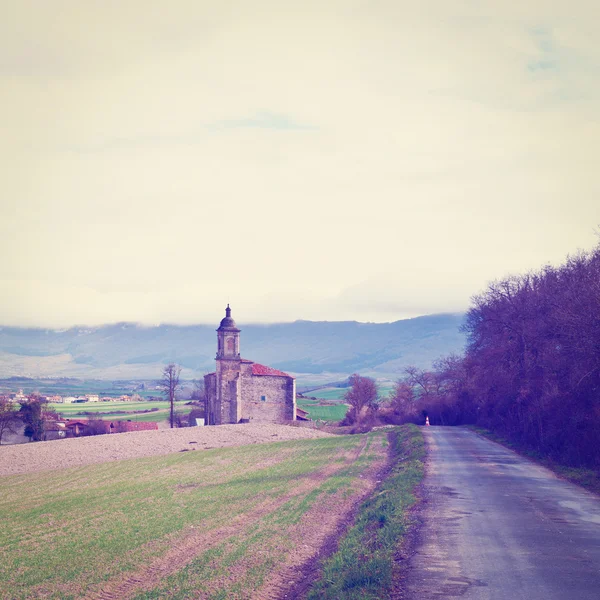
{"type": "Point", "coordinates": [499, 527]}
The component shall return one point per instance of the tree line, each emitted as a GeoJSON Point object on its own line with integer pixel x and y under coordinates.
{"type": "Point", "coordinates": [531, 367]}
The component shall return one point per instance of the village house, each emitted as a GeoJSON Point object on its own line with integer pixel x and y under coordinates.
{"type": "Point", "coordinates": [19, 397]}
{"type": "Point", "coordinates": [301, 414]}
{"type": "Point", "coordinates": [83, 427]}
{"type": "Point", "coordinates": [55, 430]}
{"type": "Point", "coordinates": [242, 391]}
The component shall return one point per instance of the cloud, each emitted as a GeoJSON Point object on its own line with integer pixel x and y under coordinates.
{"type": "Point", "coordinates": [263, 120]}
{"type": "Point", "coordinates": [547, 56]}
{"type": "Point", "coordinates": [337, 160]}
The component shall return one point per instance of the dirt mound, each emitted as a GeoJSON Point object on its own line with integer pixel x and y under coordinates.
{"type": "Point", "coordinates": [60, 454]}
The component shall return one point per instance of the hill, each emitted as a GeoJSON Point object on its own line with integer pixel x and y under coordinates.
{"type": "Point", "coordinates": [314, 350]}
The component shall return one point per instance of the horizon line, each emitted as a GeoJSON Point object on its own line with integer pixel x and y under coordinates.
{"type": "Point", "coordinates": [196, 324]}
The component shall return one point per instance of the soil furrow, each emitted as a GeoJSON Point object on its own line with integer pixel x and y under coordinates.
{"type": "Point", "coordinates": [185, 550]}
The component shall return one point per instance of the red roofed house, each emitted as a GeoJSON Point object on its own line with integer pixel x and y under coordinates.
{"type": "Point", "coordinates": [242, 391]}
{"type": "Point", "coordinates": [126, 426]}
{"type": "Point", "coordinates": [81, 427]}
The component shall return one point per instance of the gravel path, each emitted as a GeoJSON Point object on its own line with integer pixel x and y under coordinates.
{"type": "Point", "coordinates": [73, 452]}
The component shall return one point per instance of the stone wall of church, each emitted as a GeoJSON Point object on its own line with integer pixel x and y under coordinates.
{"type": "Point", "coordinates": [228, 391]}
{"type": "Point", "coordinates": [268, 399]}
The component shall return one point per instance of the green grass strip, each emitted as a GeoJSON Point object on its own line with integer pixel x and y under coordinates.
{"type": "Point", "coordinates": [363, 566]}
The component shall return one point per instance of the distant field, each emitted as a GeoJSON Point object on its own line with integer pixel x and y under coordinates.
{"type": "Point", "coordinates": [108, 410]}
{"type": "Point", "coordinates": [105, 410]}
{"type": "Point", "coordinates": [333, 393]}
{"type": "Point", "coordinates": [79, 387]}
{"type": "Point", "coordinates": [110, 406]}
{"type": "Point", "coordinates": [227, 523]}
{"type": "Point", "coordinates": [325, 413]}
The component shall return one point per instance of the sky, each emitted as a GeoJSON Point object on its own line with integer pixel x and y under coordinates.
{"type": "Point", "coordinates": [339, 160]}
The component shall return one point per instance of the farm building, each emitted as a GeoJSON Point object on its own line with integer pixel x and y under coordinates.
{"type": "Point", "coordinates": [81, 427]}
{"type": "Point", "coordinates": [242, 391]}
{"type": "Point", "coordinates": [301, 414]}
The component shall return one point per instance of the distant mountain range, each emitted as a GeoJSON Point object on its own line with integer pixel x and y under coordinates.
{"type": "Point", "coordinates": [313, 350]}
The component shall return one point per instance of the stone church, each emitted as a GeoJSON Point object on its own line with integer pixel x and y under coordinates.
{"type": "Point", "coordinates": [242, 391]}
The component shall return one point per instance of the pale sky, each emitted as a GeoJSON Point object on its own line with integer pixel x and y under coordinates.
{"type": "Point", "coordinates": [302, 160]}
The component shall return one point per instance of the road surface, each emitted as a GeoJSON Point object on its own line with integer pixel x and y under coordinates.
{"type": "Point", "coordinates": [499, 527]}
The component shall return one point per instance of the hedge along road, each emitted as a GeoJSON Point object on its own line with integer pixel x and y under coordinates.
{"type": "Point", "coordinates": [497, 526]}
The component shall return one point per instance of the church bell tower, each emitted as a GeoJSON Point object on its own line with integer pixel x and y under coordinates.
{"type": "Point", "coordinates": [228, 338]}
{"type": "Point", "coordinates": [228, 407]}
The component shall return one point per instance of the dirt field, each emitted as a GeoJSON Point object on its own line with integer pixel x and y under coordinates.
{"type": "Point", "coordinates": [58, 454]}
{"type": "Point", "coordinates": [242, 523]}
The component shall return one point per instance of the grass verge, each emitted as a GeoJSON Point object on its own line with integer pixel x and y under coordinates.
{"type": "Point", "coordinates": [363, 567]}
{"type": "Point", "coordinates": [586, 478]}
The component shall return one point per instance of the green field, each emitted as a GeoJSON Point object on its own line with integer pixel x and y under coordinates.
{"type": "Point", "coordinates": [80, 387]}
{"type": "Point", "coordinates": [316, 411]}
{"type": "Point", "coordinates": [330, 393]}
{"type": "Point", "coordinates": [111, 410]}
{"type": "Point", "coordinates": [335, 393]}
{"type": "Point", "coordinates": [109, 406]}
{"type": "Point", "coordinates": [214, 524]}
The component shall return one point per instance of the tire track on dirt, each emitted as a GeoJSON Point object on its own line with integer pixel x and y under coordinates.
{"type": "Point", "coordinates": [312, 544]}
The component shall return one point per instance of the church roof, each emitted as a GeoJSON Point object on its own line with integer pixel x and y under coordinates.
{"type": "Point", "coordinates": [258, 369]}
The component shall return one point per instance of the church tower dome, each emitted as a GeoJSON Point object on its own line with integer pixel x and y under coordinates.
{"type": "Point", "coordinates": [227, 322]}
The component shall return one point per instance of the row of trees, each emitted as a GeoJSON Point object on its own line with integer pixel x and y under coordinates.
{"type": "Point", "coordinates": [531, 370]}
{"type": "Point", "coordinates": [34, 414]}
{"type": "Point", "coordinates": [418, 394]}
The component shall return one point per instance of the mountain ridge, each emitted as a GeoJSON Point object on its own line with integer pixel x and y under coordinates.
{"type": "Point", "coordinates": [314, 348]}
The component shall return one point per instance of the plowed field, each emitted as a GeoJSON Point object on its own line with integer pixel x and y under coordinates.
{"type": "Point", "coordinates": [231, 522]}
{"type": "Point", "coordinates": [39, 456]}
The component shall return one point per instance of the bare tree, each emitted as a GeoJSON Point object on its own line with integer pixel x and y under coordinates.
{"type": "Point", "coordinates": [8, 417]}
{"type": "Point", "coordinates": [198, 391]}
{"type": "Point", "coordinates": [96, 426]}
{"type": "Point", "coordinates": [34, 413]}
{"type": "Point", "coordinates": [403, 402]}
{"type": "Point", "coordinates": [362, 394]}
{"type": "Point", "coordinates": [180, 418]}
{"type": "Point", "coordinates": [169, 385]}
